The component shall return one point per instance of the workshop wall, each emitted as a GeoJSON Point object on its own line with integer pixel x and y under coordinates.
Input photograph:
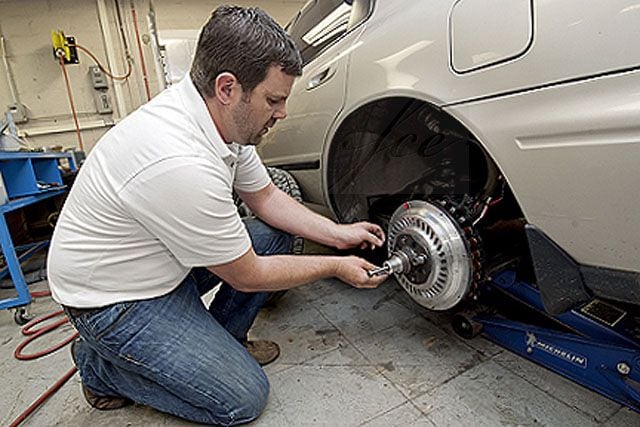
{"type": "Point", "coordinates": [38, 78]}
{"type": "Point", "coordinates": [190, 14]}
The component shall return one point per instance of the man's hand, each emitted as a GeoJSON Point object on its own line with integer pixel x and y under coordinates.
{"type": "Point", "coordinates": [361, 234]}
{"type": "Point", "coordinates": [353, 270]}
{"type": "Point", "coordinates": [280, 211]}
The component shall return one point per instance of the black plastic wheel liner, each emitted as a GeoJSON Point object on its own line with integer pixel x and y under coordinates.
{"type": "Point", "coordinates": [401, 148]}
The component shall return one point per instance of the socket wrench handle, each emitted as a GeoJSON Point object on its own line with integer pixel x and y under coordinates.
{"type": "Point", "coordinates": [379, 271]}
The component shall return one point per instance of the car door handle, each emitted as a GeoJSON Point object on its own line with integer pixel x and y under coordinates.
{"type": "Point", "coordinates": [321, 78]}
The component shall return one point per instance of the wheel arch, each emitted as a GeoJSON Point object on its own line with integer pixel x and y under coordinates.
{"type": "Point", "coordinates": [377, 132]}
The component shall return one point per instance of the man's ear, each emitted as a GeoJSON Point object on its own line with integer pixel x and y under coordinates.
{"type": "Point", "coordinates": [226, 85]}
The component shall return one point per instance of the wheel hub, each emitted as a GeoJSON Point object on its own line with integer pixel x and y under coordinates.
{"type": "Point", "coordinates": [432, 257]}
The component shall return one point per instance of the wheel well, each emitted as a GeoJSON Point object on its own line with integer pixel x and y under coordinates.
{"type": "Point", "coordinates": [398, 149]}
{"type": "Point", "coordinates": [403, 148]}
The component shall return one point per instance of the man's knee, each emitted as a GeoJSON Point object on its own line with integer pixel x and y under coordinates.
{"type": "Point", "coordinates": [246, 399]}
{"type": "Point", "coordinates": [254, 398]}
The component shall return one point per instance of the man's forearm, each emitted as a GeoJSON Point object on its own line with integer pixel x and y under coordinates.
{"type": "Point", "coordinates": [279, 210]}
{"type": "Point", "coordinates": [282, 212]}
{"type": "Point", "coordinates": [279, 272]}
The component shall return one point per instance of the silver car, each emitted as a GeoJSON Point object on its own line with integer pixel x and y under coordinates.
{"type": "Point", "coordinates": [480, 133]}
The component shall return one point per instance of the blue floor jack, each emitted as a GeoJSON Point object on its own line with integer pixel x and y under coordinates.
{"type": "Point", "coordinates": [511, 282]}
{"type": "Point", "coordinates": [596, 345]}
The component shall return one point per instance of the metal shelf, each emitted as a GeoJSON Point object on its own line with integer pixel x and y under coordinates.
{"type": "Point", "coordinates": [28, 178]}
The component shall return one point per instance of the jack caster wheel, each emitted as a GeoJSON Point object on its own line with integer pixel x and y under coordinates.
{"type": "Point", "coordinates": [465, 327]}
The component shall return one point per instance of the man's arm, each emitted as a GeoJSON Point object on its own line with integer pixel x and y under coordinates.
{"type": "Point", "coordinates": [253, 273]}
{"type": "Point", "coordinates": [279, 210]}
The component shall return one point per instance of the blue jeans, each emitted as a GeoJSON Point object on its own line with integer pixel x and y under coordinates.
{"type": "Point", "coordinates": [174, 355]}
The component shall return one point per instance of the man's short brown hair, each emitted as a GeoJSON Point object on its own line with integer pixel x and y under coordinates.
{"type": "Point", "coordinates": [244, 42]}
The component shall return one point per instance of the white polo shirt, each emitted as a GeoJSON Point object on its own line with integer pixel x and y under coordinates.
{"type": "Point", "coordinates": [153, 200]}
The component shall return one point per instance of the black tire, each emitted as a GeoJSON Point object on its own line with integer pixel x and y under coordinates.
{"type": "Point", "coordinates": [287, 183]}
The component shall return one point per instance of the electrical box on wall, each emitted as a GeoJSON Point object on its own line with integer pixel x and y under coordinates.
{"type": "Point", "coordinates": [103, 103]}
{"type": "Point", "coordinates": [65, 46]}
{"type": "Point", "coordinates": [98, 79]}
{"type": "Point", "coordinates": [99, 82]}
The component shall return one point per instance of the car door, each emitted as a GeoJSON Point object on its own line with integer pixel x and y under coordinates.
{"type": "Point", "coordinates": [324, 31]}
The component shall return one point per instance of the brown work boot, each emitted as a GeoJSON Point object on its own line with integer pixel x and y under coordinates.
{"type": "Point", "coordinates": [103, 403]}
{"type": "Point", "coordinates": [263, 351]}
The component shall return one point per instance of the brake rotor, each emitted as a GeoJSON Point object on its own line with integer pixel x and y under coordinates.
{"type": "Point", "coordinates": [439, 270]}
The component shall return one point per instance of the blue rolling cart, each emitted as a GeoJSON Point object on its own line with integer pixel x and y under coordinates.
{"type": "Point", "coordinates": [28, 178]}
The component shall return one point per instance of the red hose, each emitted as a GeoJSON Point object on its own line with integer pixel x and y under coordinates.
{"type": "Point", "coordinates": [46, 395]}
{"type": "Point", "coordinates": [73, 108]}
{"type": "Point", "coordinates": [33, 335]}
{"type": "Point", "coordinates": [104, 70]}
{"type": "Point", "coordinates": [26, 330]}
{"type": "Point", "coordinates": [39, 294]}
{"type": "Point", "coordinates": [142, 65]}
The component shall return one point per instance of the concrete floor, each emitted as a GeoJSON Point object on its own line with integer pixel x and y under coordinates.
{"type": "Point", "coordinates": [349, 357]}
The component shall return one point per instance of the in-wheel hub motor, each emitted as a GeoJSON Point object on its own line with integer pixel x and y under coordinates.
{"type": "Point", "coordinates": [428, 252]}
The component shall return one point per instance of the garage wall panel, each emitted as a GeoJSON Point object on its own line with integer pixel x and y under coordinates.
{"type": "Point", "coordinates": [189, 14]}
{"type": "Point", "coordinates": [39, 83]}
{"type": "Point", "coordinates": [27, 25]}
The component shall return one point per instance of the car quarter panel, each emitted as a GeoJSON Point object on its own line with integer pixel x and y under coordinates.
{"type": "Point", "coordinates": [406, 49]}
{"type": "Point", "coordinates": [571, 155]}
